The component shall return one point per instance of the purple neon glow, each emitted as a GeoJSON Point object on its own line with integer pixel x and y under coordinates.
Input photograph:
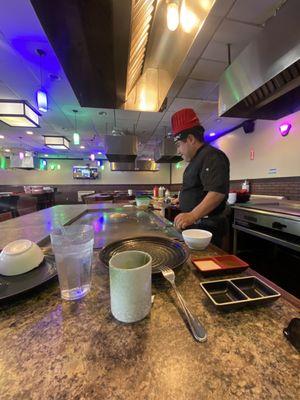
{"type": "Point", "coordinates": [285, 128]}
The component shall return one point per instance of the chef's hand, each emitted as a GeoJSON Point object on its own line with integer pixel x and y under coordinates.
{"type": "Point", "coordinates": [184, 220]}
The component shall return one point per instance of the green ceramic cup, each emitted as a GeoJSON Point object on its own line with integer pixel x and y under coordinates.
{"type": "Point", "coordinates": [130, 285]}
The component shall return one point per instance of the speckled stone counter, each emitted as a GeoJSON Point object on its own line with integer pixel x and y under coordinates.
{"type": "Point", "coordinates": [52, 349]}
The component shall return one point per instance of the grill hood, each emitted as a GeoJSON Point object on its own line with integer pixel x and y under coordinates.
{"type": "Point", "coordinates": [166, 152]}
{"type": "Point", "coordinates": [264, 80]}
{"type": "Point", "coordinates": [28, 162]}
{"type": "Point", "coordinates": [121, 148]}
{"type": "Point", "coordinates": [120, 53]}
{"type": "Point", "coordinates": [138, 165]}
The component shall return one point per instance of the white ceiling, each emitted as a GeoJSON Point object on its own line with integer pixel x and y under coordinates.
{"type": "Point", "coordinates": [231, 21]}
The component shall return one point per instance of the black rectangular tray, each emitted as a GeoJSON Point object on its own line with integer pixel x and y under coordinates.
{"type": "Point", "coordinates": [231, 294]}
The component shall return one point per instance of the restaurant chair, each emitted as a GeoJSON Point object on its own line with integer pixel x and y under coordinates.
{"type": "Point", "coordinates": [26, 204]}
{"type": "Point", "coordinates": [123, 198]}
{"type": "Point", "coordinates": [5, 216]}
{"type": "Point", "coordinates": [98, 199]}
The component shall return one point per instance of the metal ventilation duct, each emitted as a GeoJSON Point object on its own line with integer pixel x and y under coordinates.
{"type": "Point", "coordinates": [28, 162]}
{"type": "Point", "coordinates": [121, 148]}
{"type": "Point", "coordinates": [142, 12]}
{"type": "Point", "coordinates": [264, 80]}
{"type": "Point", "coordinates": [120, 53]}
{"type": "Point", "coordinates": [138, 165]}
{"type": "Point", "coordinates": [166, 152]}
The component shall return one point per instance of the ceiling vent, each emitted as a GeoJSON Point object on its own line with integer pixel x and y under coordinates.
{"type": "Point", "coordinates": [166, 152]}
{"type": "Point", "coordinates": [263, 82]}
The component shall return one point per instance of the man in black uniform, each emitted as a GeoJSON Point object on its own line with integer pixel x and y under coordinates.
{"type": "Point", "coordinates": [205, 184]}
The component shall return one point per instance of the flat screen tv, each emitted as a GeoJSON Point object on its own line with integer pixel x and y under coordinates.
{"type": "Point", "coordinates": [85, 172]}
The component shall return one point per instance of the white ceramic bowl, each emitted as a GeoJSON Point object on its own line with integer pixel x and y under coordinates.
{"type": "Point", "coordinates": [197, 239]}
{"type": "Point", "coordinates": [19, 257]}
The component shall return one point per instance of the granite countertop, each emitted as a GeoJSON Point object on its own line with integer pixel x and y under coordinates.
{"type": "Point", "coordinates": [53, 349]}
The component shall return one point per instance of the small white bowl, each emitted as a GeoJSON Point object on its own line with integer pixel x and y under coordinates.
{"type": "Point", "coordinates": [19, 257]}
{"type": "Point", "coordinates": [197, 239]}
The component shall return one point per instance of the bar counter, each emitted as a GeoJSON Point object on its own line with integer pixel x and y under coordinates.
{"type": "Point", "coordinates": [53, 349]}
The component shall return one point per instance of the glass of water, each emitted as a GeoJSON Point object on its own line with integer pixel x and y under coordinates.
{"type": "Point", "coordinates": [73, 250]}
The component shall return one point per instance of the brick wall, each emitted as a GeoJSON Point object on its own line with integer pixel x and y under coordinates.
{"type": "Point", "coordinates": [288, 187]}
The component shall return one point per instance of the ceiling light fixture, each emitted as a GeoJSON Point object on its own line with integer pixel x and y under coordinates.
{"type": "Point", "coordinates": [57, 142]}
{"type": "Point", "coordinates": [212, 134]}
{"type": "Point", "coordinates": [1, 137]}
{"type": "Point", "coordinates": [82, 147]}
{"type": "Point", "coordinates": [7, 150]}
{"type": "Point", "coordinates": [18, 113]}
{"type": "Point", "coordinates": [172, 15]}
{"type": "Point", "coordinates": [46, 155]}
{"type": "Point", "coordinates": [41, 94]}
{"type": "Point", "coordinates": [76, 136]}
{"type": "Point", "coordinates": [99, 152]}
{"type": "Point", "coordinates": [29, 132]}
{"type": "Point", "coordinates": [188, 19]}
{"type": "Point", "coordinates": [284, 129]}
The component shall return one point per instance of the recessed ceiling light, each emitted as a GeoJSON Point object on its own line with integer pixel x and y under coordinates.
{"type": "Point", "coordinates": [1, 137]}
{"type": "Point", "coordinates": [82, 147]}
{"type": "Point", "coordinates": [7, 150]}
{"type": "Point", "coordinates": [29, 133]}
{"type": "Point", "coordinates": [99, 152]}
{"type": "Point", "coordinates": [102, 113]}
{"type": "Point", "coordinates": [212, 134]}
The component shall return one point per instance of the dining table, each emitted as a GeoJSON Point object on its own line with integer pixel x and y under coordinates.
{"type": "Point", "coordinates": [56, 349]}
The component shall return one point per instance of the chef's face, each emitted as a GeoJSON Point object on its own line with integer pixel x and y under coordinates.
{"type": "Point", "coordinates": [187, 148]}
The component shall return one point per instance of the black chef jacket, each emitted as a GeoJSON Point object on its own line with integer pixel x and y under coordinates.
{"type": "Point", "coordinates": [208, 171]}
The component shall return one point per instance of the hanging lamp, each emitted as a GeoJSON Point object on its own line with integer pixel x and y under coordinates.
{"type": "Point", "coordinates": [76, 136]}
{"type": "Point", "coordinates": [41, 94]}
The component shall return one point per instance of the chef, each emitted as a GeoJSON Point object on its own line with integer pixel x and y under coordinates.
{"type": "Point", "coordinates": [205, 185]}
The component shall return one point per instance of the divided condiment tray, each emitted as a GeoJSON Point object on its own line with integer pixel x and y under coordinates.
{"type": "Point", "coordinates": [230, 294]}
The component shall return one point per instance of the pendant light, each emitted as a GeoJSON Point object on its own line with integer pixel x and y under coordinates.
{"type": "Point", "coordinates": [41, 94]}
{"type": "Point", "coordinates": [21, 153]}
{"type": "Point", "coordinates": [76, 136]}
{"type": "Point", "coordinates": [172, 15]}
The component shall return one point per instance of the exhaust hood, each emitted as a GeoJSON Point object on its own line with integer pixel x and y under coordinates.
{"type": "Point", "coordinates": [166, 152]}
{"type": "Point", "coordinates": [120, 53]}
{"type": "Point", "coordinates": [263, 82]}
{"type": "Point", "coordinates": [120, 148]}
{"type": "Point", "coordinates": [138, 165]}
{"type": "Point", "coordinates": [28, 162]}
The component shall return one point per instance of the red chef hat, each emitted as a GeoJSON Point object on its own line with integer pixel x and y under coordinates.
{"type": "Point", "coordinates": [182, 120]}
